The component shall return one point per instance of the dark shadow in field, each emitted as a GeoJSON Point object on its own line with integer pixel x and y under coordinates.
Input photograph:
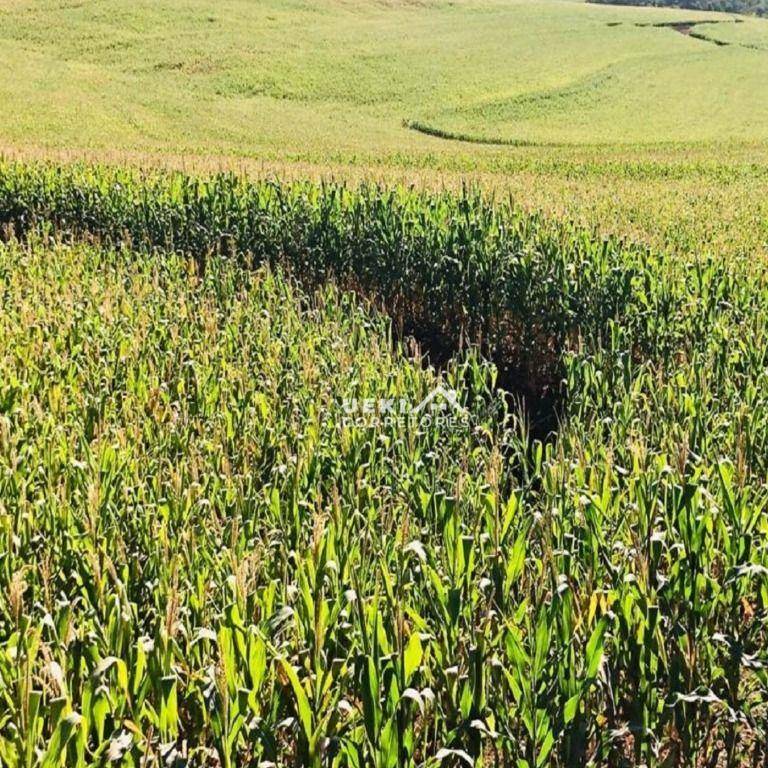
{"type": "Point", "coordinates": [535, 388]}
{"type": "Point", "coordinates": [432, 264]}
{"type": "Point", "coordinates": [689, 29]}
{"type": "Point", "coordinates": [439, 133]}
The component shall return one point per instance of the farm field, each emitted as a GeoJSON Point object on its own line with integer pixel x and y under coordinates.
{"type": "Point", "coordinates": [383, 383]}
{"type": "Point", "coordinates": [635, 128]}
{"type": "Point", "coordinates": [214, 552]}
{"type": "Point", "coordinates": [345, 78]}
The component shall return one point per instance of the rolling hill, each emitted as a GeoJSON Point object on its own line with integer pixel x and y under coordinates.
{"type": "Point", "coordinates": [349, 78]}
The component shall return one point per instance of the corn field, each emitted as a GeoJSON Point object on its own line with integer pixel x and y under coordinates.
{"type": "Point", "coordinates": [205, 562]}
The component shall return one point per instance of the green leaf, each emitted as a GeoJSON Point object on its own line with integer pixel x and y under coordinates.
{"type": "Point", "coordinates": [65, 730]}
{"type": "Point", "coordinates": [595, 647]}
{"type": "Point", "coordinates": [370, 692]}
{"type": "Point", "coordinates": [571, 707]}
{"type": "Point", "coordinates": [302, 702]}
{"type": "Point", "coordinates": [412, 656]}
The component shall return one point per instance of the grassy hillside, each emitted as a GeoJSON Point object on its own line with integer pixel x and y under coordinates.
{"type": "Point", "coordinates": [331, 88]}
{"type": "Point", "coordinates": [333, 78]}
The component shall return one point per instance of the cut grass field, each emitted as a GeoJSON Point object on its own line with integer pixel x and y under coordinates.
{"type": "Point", "coordinates": [283, 78]}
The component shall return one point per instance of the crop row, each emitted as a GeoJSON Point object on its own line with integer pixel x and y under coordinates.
{"type": "Point", "coordinates": [449, 269]}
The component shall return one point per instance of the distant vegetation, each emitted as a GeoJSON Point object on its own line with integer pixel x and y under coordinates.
{"type": "Point", "coordinates": [757, 7]}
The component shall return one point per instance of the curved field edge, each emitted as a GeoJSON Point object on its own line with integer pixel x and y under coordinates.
{"type": "Point", "coordinates": [346, 90]}
{"type": "Point", "coordinates": [689, 28]}
{"type": "Point", "coordinates": [746, 7]}
{"type": "Point", "coordinates": [450, 269]}
{"type": "Point", "coordinates": [468, 138]}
